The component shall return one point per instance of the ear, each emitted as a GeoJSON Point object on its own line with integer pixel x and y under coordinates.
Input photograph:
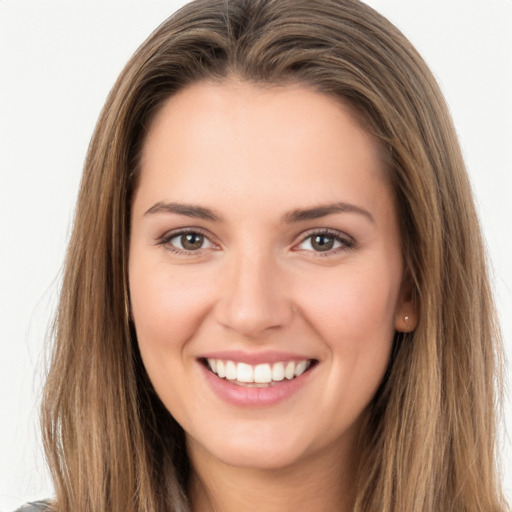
{"type": "Point", "coordinates": [406, 313]}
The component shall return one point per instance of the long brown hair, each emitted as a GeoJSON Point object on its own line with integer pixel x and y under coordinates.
{"type": "Point", "coordinates": [429, 442]}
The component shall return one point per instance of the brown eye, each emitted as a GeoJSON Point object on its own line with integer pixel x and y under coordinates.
{"type": "Point", "coordinates": [187, 242]}
{"type": "Point", "coordinates": [322, 242]}
{"type": "Point", "coordinates": [192, 241]}
{"type": "Point", "coordinates": [326, 242]}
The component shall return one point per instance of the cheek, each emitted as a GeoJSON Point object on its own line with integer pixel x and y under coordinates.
{"type": "Point", "coordinates": [356, 322]}
{"type": "Point", "coordinates": [354, 315]}
{"type": "Point", "coordinates": [166, 305]}
{"type": "Point", "coordinates": [355, 309]}
{"type": "Point", "coordinates": [166, 310]}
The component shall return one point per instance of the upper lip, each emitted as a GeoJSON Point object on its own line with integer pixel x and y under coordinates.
{"type": "Point", "coordinates": [252, 358]}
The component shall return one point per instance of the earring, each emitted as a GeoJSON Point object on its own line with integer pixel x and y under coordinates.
{"type": "Point", "coordinates": [406, 318]}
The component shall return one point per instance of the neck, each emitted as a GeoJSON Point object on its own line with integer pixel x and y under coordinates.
{"type": "Point", "coordinates": [321, 483]}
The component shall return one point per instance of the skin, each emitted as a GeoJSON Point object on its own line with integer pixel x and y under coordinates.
{"type": "Point", "coordinates": [257, 284]}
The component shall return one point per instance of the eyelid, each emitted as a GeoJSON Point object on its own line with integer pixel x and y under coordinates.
{"type": "Point", "coordinates": [347, 242]}
{"type": "Point", "coordinates": [165, 239]}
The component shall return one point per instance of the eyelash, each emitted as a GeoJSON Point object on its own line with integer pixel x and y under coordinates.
{"type": "Point", "coordinates": [166, 239]}
{"type": "Point", "coordinates": [345, 242]}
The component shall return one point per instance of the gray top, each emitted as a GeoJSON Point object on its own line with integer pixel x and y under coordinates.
{"type": "Point", "coordinates": [34, 506]}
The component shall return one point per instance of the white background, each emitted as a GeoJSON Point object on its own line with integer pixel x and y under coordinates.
{"type": "Point", "coordinates": [57, 63]}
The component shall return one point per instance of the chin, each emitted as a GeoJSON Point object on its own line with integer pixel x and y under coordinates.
{"type": "Point", "coordinates": [252, 450]}
{"type": "Point", "coordinates": [260, 458]}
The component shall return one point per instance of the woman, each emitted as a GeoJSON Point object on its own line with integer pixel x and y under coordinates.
{"type": "Point", "coordinates": [275, 292]}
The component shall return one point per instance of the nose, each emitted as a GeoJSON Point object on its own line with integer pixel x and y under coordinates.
{"type": "Point", "coordinates": [254, 300]}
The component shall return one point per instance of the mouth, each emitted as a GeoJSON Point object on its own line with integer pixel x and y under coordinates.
{"type": "Point", "coordinates": [259, 375]}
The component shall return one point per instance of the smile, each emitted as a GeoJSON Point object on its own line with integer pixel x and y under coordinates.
{"type": "Point", "coordinates": [259, 375]}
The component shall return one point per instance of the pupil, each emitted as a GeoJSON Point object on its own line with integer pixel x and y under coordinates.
{"type": "Point", "coordinates": [192, 241]}
{"type": "Point", "coordinates": [322, 242]}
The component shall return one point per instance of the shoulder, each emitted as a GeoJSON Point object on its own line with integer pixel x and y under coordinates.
{"type": "Point", "coordinates": [35, 506]}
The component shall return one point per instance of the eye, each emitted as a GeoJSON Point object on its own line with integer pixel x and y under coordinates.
{"type": "Point", "coordinates": [186, 241]}
{"type": "Point", "coordinates": [325, 242]}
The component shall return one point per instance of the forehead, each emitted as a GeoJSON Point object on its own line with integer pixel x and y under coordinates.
{"type": "Point", "coordinates": [242, 136]}
{"type": "Point", "coordinates": [240, 100]}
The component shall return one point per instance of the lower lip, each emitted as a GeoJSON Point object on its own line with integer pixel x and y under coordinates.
{"type": "Point", "coordinates": [243, 396]}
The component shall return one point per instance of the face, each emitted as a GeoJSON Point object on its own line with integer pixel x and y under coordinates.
{"type": "Point", "coordinates": [265, 271]}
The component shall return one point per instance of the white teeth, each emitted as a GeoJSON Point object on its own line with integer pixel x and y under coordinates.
{"type": "Point", "coordinates": [230, 370]}
{"type": "Point", "coordinates": [244, 373]}
{"type": "Point", "coordinates": [260, 375]}
{"type": "Point", "coordinates": [289, 371]}
{"type": "Point", "coordinates": [278, 371]}
{"type": "Point", "coordinates": [300, 368]}
{"type": "Point", "coordinates": [221, 369]}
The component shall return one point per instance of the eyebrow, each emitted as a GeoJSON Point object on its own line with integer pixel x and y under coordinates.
{"type": "Point", "coordinates": [297, 215]}
{"type": "Point", "coordinates": [189, 210]}
{"type": "Point", "coordinates": [318, 212]}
